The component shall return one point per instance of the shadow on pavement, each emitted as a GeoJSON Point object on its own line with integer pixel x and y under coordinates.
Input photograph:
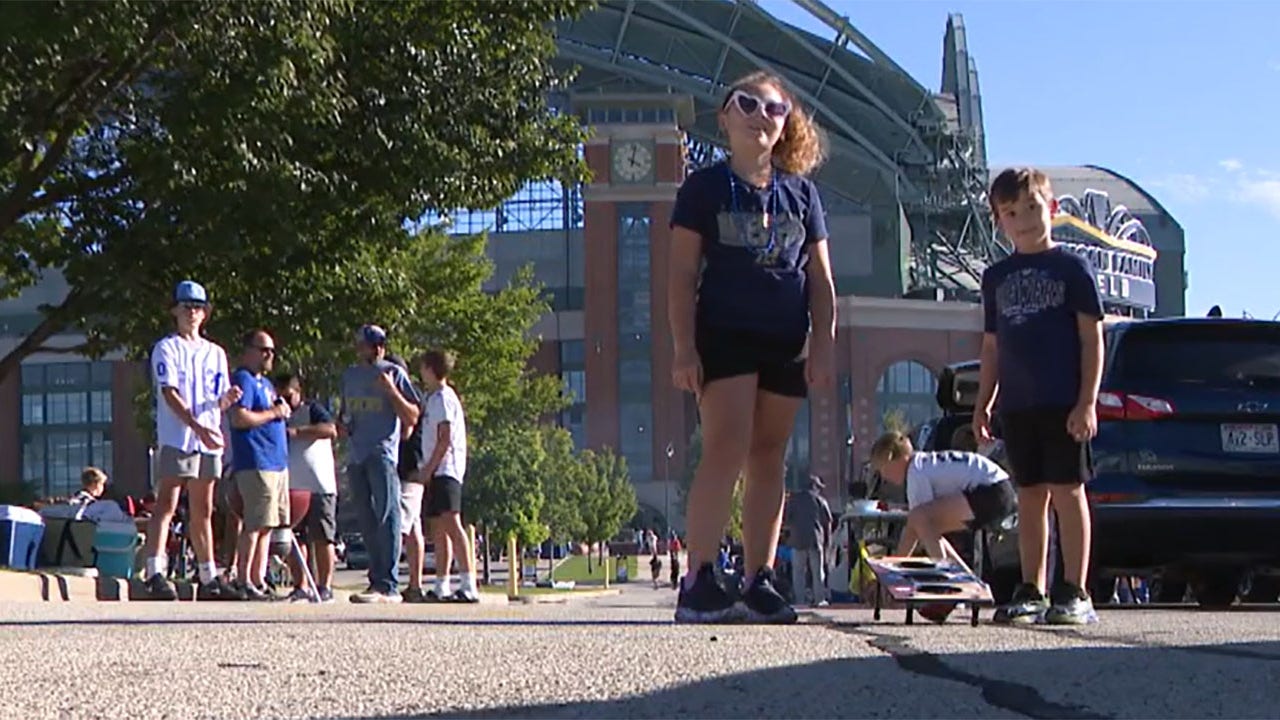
{"type": "Point", "coordinates": [297, 620]}
{"type": "Point", "coordinates": [1079, 683]}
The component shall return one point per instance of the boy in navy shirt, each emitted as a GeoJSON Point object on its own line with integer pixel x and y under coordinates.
{"type": "Point", "coordinates": [1042, 364]}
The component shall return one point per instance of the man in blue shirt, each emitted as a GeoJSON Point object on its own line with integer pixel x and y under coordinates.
{"type": "Point", "coordinates": [379, 408]}
{"type": "Point", "coordinates": [260, 457]}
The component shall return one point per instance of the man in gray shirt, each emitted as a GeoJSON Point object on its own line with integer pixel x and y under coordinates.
{"type": "Point", "coordinates": [809, 518]}
{"type": "Point", "coordinates": [377, 403]}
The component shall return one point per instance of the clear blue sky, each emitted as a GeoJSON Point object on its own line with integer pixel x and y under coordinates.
{"type": "Point", "coordinates": [1181, 97]}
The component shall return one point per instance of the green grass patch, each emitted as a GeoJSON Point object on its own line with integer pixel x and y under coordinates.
{"type": "Point", "coordinates": [575, 569]}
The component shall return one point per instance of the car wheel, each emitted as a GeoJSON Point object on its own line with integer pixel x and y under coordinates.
{"type": "Point", "coordinates": [1217, 590]}
{"type": "Point", "coordinates": [1263, 589]}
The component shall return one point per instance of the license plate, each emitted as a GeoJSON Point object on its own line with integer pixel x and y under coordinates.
{"type": "Point", "coordinates": [1250, 438]}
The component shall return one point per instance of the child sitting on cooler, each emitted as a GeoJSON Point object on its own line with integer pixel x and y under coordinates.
{"type": "Point", "coordinates": [946, 492]}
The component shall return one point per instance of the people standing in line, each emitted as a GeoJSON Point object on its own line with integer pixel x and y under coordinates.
{"type": "Point", "coordinates": [412, 490]}
{"type": "Point", "coordinates": [311, 433]}
{"type": "Point", "coordinates": [377, 402]}
{"type": "Point", "coordinates": [1042, 365]}
{"type": "Point", "coordinates": [192, 390]}
{"type": "Point", "coordinates": [809, 519]}
{"type": "Point", "coordinates": [444, 453]}
{"type": "Point", "coordinates": [752, 314]}
{"type": "Point", "coordinates": [261, 457]}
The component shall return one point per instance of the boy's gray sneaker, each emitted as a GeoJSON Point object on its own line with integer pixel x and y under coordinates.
{"type": "Point", "coordinates": [1071, 606]}
{"type": "Point", "coordinates": [1028, 606]}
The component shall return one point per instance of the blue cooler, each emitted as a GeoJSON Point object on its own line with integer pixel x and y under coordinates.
{"type": "Point", "coordinates": [21, 530]}
{"type": "Point", "coordinates": [114, 546]}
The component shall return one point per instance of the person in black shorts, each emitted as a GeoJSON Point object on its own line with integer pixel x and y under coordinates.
{"type": "Point", "coordinates": [946, 491]}
{"type": "Point", "coordinates": [751, 307]}
{"type": "Point", "coordinates": [312, 467]}
{"type": "Point", "coordinates": [1042, 365]}
{"type": "Point", "coordinates": [444, 466]}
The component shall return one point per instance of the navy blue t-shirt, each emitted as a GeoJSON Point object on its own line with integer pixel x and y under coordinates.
{"type": "Point", "coordinates": [1030, 301]}
{"type": "Point", "coordinates": [755, 244]}
{"type": "Point", "coordinates": [265, 447]}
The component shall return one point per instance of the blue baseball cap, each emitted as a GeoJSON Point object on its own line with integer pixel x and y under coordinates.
{"type": "Point", "coordinates": [371, 335]}
{"type": "Point", "coordinates": [190, 292]}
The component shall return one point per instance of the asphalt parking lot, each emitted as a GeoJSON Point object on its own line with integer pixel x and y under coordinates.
{"type": "Point", "coordinates": [620, 657]}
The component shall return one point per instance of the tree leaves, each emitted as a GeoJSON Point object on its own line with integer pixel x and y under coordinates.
{"type": "Point", "coordinates": [273, 150]}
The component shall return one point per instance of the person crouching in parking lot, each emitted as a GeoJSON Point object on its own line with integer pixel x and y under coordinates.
{"type": "Point", "coordinates": [946, 492]}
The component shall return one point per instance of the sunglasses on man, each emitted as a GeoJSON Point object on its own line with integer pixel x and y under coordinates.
{"type": "Point", "coordinates": [749, 103]}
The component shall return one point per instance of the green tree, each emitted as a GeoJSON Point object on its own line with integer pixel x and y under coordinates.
{"type": "Point", "coordinates": [503, 491]}
{"type": "Point", "coordinates": [734, 527]}
{"type": "Point", "coordinates": [608, 497]}
{"type": "Point", "coordinates": [275, 151]}
{"type": "Point", "coordinates": [563, 475]}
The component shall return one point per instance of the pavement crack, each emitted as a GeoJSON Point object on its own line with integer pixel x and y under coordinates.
{"type": "Point", "coordinates": [1003, 694]}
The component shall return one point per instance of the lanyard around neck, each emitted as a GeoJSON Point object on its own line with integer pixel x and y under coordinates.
{"type": "Point", "coordinates": [771, 206]}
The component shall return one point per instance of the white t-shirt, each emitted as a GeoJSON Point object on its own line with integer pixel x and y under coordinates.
{"type": "Point", "coordinates": [198, 370]}
{"type": "Point", "coordinates": [932, 475]}
{"type": "Point", "coordinates": [311, 465]}
{"type": "Point", "coordinates": [443, 406]}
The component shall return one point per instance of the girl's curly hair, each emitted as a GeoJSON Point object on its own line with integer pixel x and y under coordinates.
{"type": "Point", "coordinates": [802, 147]}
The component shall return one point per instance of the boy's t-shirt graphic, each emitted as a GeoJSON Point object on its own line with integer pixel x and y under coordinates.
{"type": "Point", "coordinates": [1030, 301]}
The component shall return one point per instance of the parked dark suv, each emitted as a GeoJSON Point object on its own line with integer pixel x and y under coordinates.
{"type": "Point", "coordinates": [1187, 457]}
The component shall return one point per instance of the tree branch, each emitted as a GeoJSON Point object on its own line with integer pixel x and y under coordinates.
{"type": "Point", "coordinates": [52, 323]}
{"type": "Point", "coordinates": [58, 194]}
{"type": "Point", "coordinates": [11, 209]}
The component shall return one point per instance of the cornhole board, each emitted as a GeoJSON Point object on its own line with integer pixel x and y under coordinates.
{"type": "Point", "coordinates": [915, 581]}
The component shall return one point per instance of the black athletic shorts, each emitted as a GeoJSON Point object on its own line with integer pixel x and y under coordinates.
{"type": "Point", "coordinates": [321, 521]}
{"type": "Point", "coordinates": [443, 495]}
{"type": "Point", "coordinates": [730, 353]}
{"type": "Point", "coordinates": [1041, 451]}
{"type": "Point", "coordinates": [991, 504]}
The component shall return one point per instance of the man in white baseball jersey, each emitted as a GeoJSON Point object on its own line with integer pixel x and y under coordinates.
{"type": "Point", "coordinates": [193, 388]}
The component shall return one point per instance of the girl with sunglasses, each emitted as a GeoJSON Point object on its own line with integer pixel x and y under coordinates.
{"type": "Point", "coordinates": [752, 312]}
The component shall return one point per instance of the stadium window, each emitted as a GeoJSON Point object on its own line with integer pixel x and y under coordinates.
{"type": "Point", "coordinates": [66, 423]}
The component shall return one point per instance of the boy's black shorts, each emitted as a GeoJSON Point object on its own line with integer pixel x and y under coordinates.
{"type": "Point", "coordinates": [1041, 451]}
{"type": "Point", "coordinates": [991, 504]}
{"type": "Point", "coordinates": [730, 353]}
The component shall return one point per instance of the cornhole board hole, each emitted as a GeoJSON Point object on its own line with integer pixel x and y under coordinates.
{"type": "Point", "coordinates": [916, 581]}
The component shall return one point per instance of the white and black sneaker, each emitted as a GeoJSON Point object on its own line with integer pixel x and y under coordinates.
{"type": "Point", "coordinates": [158, 588]}
{"type": "Point", "coordinates": [1070, 606]}
{"type": "Point", "coordinates": [463, 595]}
{"type": "Point", "coordinates": [764, 603]}
{"type": "Point", "coordinates": [706, 601]}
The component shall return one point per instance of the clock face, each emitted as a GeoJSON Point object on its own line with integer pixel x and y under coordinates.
{"type": "Point", "coordinates": [632, 161]}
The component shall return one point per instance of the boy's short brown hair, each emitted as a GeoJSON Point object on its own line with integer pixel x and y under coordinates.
{"type": "Point", "coordinates": [1011, 183]}
{"type": "Point", "coordinates": [890, 446]}
{"type": "Point", "coordinates": [440, 362]}
{"type": "Point", "coordinates": [92, 476]}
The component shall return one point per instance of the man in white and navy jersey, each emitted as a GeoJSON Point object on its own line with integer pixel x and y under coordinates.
{"type": "Point", "coordinates": [192, 390]}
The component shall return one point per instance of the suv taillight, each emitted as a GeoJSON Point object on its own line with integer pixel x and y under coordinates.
{"type": "Point", "coordinates": [1124, 406]}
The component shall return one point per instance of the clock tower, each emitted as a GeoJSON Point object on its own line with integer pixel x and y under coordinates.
{"type": "Point", "coordinates": [637, 161]}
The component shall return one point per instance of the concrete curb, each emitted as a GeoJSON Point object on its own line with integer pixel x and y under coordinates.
{"type": "Point", "coordinates": [49, 586]}
{"type": "Point", "coordinates": [567, 596]}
